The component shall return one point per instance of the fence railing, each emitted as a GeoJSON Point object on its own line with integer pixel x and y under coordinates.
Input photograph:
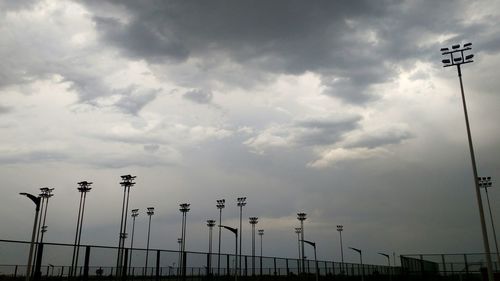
{"type": "Point", "coordinates": [101, 261]}
{"type": "Point", "coordinates": [453, 266]}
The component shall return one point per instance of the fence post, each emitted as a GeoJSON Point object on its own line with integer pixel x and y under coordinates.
{"type": "Point", "coordinates": [15, 271]}
{"type": "Point", "coordinates": [208, 264]}
{"type": "Point", "coordinates": [275, 272]}
{"type": "Point", "coordinates": [86, 263]}
{"type": "Point", "coordinates": [466, 265]}
{"type": "Point", "coordinates": [157, 265]}
{"type": "Point", "coordinates": [287, 269]}
{"type": "Point", "coordinates": [246, 266]}
{"type": "Point", "coordinates": [227, 264]}
{"type": "Point", "coordinates": [260, 265]}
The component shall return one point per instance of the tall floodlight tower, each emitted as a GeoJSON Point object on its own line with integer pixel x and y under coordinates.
{"type": "Point", "coordinates": [127, 182]}
{"type": "Point", "coordinates": [241, 203]}
{"type": "Point", "coordinates": [456, 56]}
{"type": "Point", "coordinates": [135, 213]}
{"type": "Point", "coordinates": [340, 228]}
{"type": "Point", "coordinates": [210, 224]}
{"type": "Point", "coordinates": [83, 188]}
{"type": "Point", "coordinates": [220, 205]}
{"type": "Point", "coordinates": [302, 217]}
{"type": "Point", "coordinates": [150, 212]}
{"type": "Point", "coordinates": [298, 231]}
{"type": "Point", "coordinates": [253, 222]}
{"type": "Point", "coordinates": [184, 208]}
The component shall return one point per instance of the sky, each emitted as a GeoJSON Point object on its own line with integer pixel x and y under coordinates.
{"type": "Point", "coordinates": [339, 109]}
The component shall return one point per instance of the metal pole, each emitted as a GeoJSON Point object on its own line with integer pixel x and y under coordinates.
{"type": "Point", "coordinates": [33, 235]}
{"type": "Point", "coordinates": [76, 235]}
{"type": "Point", "coordinates": [316, 263]}
{"type": "Point", "coordinates": [492, 224]}
{"type": "Point", "coordinates": [218, 253]}
{"type": "Point", "coordinates": [341, 252]}
{"type": "Point", "coordinates": [147, 244]}
{"type": "Point", "coordinates": [474, 170]}
{"type": "Point", "coordinates": [119, 258]}
{"type": "Point", "coordinates": [80, 231]}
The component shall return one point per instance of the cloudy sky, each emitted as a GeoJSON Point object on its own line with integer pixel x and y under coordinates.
{"type": "Point", "coordinates": [340, 109]}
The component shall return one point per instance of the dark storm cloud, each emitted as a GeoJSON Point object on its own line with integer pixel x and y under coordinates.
{"type": "Point", "coordinates": [36, 156]}
{"type": "Point", "coordinates": [199, 96]}
{"type": "Point", "coordinates": [351, 44]}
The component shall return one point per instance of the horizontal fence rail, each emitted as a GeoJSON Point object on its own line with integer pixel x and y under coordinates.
{"type": "Point", "coordinates": [99, 262]}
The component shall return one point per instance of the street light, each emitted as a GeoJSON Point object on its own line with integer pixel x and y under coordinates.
{"type": "Point", "coordinates": [388, 263]}
{"type": "Point", "coordinates": [235, 231]}
{"type": "Point", "coordinates": [340, 228]}
{"type": "Point", "coordinates": [302, 217]}
{"type": "Point", "coordinates": [298, 231]}
{"type": "Point", "coordinates": [184, 208]}
{"type": "Point", "coordinates": [127, 183]}
{"type": "Point", "coordinates": [150, 212]}
{"type": "Point", "coordinates": [135, 213]}
{"type": "Point", "coordinates": [84, 187]}
{"type": "Point", "coordinates": [241, 203]}
{"type": "Point", "coordinates": [35, 200]}
{"type": "Point", "coordinates": [220, 205]}
{"type": "Point", "coordinates": [261, 233]}
{"type": "Point", "coordinates": [456, 58]}
{"type": "Point", "coordinates": [315, 258]}
{"type": "Point", "coordinates": [253, 222]}
{"type": "Point", "coordinates": [486, 182]}
{"type": "Point", "coordinates": [210, 224]}
{"type": "Point", "coordinates": [360, 261]}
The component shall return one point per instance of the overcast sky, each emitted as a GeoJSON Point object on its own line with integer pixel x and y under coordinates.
{"type": "Point", "coordinates": [339, 109]}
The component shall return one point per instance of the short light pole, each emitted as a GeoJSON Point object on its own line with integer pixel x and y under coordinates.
{"type": "Point", "coordinates": [37, 201]}
{"type": "Point", "coordinates": [210, 224]}
{"type": "Point", "coordinates": [360, 261]}
{"type": "Point", "coordinates": [241, 203]}
{"type": "Point", "coordinates": [253, 222]}
{"type": "Point", "coordinates": [302, 217]}
{"type": "Point", "coordinates": [261, 233]}
{"type": "Point", "coordinates": [235, 231]}
{"type": "Point", "coordinates": [340, 228]}
{"type": "Point", "coordinates": [315, 257]}
{"type": "Point", "coordinates": [150, 212]}
{"type": "Point", "coordinates": [135, 213]}
{"type": "Point", "coordinates": [298, 231]}
{"type": "Point", "coordinates": [457, 58]}
{"type": "Point", "coordinates": [486, 182]}
{"type": "Point", "coordinates": [127, 182]}
{"type": "Point", "coordinates": [184, 208]}
{"type": "Point", "coordinates": [220, 205]}
{"type": "Point", "coordinates": [84, 188]}
{"type": "Point", "coordinates": [388, 263]}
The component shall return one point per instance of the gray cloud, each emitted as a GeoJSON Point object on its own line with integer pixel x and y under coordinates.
{"type": "Point", "coordinates": [380, 138]}
{"type": "Point", "coordinates": [5, 109]}
{"type": "Point", "coordinates": [352, 45]}
{"type": "Point", "coordinates": [133, 99]}
{"type": "Point", "coordinates": [199, 96]}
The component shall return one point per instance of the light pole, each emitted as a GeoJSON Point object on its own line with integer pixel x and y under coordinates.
{"type": "Point", "coordinates": [84, 187]}
{"type": "Point", "coordinates": [298, 231]}
{"type": "Point", "coordinates": [127, 183]}
{"type": "Point", "coordinates": [388, 263]}
{"type": "Point", "coordinates": [486, 182]}
{"type": "Point", "coordinates": [220, 205]}
{"type": "Point", "coordinates": [456, 58]}
{"type": "Point", "coordinates": [302, 217]}
{"type": "Point", "coordinates": [135, 213]}
{"type": "Point", "coordinates": [253, 222]}
{"type": "Point", "coordinates": [360, 261]}
{"type": "Point", "coordinates": [315, 258]}
{"type": "Point", "coordinates": [179, 241]}
{"type": "Point", "coordinates": [235, 231]}
{"type": "Point", "coordinates": [340, 228]}
{"type": "Point", "coordinates": [210, 224]}
{"type": "Point", "coordinates": [35, 200]}
{"type": "Point", "coordinates": [150, 212]}
{"type": "Point", "coordinates": [45, 194]}
{"type": "Point", "coordinates": [184, 208]}
{"type": "Point", "coordinates": [261, 233]}
{"type": "Point", "coordinates": [241, 203]}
